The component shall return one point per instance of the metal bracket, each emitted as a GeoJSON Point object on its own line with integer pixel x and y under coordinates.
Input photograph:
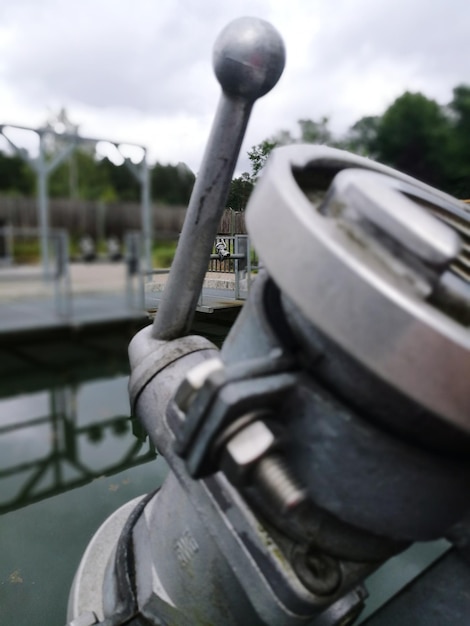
{"type": "Point", "coordinates": [260, 384]}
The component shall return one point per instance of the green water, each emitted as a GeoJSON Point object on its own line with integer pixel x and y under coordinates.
{"type": "Point", "coordinates": [68, 459]}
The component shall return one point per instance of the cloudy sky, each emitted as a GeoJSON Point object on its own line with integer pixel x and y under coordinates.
{"type": "Point", "coordinates": [140, 70]}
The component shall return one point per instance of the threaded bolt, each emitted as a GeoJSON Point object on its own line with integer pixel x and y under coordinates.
{"type": "Point", "coordinates": [279, 485]}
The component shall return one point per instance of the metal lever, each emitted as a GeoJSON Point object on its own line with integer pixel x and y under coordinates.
{"type": "Point", "coordinates": [248, 60]}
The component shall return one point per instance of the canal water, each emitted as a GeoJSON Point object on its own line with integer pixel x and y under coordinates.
{"type": "Point", "coordinates": [69, 457]}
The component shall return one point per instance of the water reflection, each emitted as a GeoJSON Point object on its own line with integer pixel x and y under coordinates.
{"type": "Point", "coordinates": [68, 459]}
{"type": "Point", "coordinates": [63, 438]}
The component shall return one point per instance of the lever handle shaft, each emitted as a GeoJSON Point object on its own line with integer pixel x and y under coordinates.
{"type": "Point", "coordinates": [248, 58]}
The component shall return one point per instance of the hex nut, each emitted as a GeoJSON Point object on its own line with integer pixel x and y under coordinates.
{"type": "Point", "coordinates": [194, 381]}
{"type": "Point", "coordinates": [245, 449]}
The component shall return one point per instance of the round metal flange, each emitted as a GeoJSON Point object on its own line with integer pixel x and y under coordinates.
{"type": "Point", "coordinates": [86, 594]}
{"type": "Point", "coordinates": [363, 273]}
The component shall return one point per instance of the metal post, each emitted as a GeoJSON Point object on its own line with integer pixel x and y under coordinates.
{"type": "Point", "coordinates": [146, 212]}
{"type": "Point", "coordinates": [134, 274]}
{"type": "Point", "coordinates": [248, 263]}
{"type": "Point", "coordinates": [42, 174]}
{"type": "Point", "coordinates": [237, 268]}
{"type": "Point", "coordinates": [62, 276]}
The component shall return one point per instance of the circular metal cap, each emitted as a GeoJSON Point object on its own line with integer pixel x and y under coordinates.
{"type": "Point", "coordinates": [366, 262]}
{"type": "Point", "coordinates": [249, 57]}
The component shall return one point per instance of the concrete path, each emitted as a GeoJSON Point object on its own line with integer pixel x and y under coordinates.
{"type": "Point", "coordinates": [97, 293]}
{"type": "Point", "coordinates": [87, 278]}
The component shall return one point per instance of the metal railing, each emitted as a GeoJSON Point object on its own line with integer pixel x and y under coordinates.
{"type": "Point", "coordinates": [234, 258]}
{"type": "Point", "coordinates": [135, 274]}
{"type": "Point", "coordinates": [241, 260]}
{"type": "Point", "coordinates": [238, 248]}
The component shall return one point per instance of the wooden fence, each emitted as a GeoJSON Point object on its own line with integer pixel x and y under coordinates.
{"type": "Point", "coordinates": [101, 220]}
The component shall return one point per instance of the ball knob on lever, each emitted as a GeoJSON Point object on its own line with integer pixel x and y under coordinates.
{"type": "Point", "coordinates": [249, 58]}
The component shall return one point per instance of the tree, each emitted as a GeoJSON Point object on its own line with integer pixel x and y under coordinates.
{"type": "Point", "coordinates": [460, 114]}
{"type": "Point", "coordinates": [258, 156]}
{"type": "Point", "coordinates": [172, 184]}
{"type": "Point", "coordinates": [414, 136]}
{"type": "Point", "coordinates": [460, 105]}
{"type": "Point", "coordinates": [81, 176]}
{"type": "Point", "coordinates": [315, 132]}
{"type": "Point", "coordinates": [362, 136]}
{"type": "Point", "coordinates": [240, 190]}
{"type": "Point", "coordinates": [16, 176]}
{"type": "Point", "coordinates": [120, 179]}
{"type": "Point", "coordinates": [309, 132]}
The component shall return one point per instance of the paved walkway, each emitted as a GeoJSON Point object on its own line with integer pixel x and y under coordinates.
{"type": "Point", "coordinates": [26, 281]}
{"type": "Point", "coordinates": [99, 292]}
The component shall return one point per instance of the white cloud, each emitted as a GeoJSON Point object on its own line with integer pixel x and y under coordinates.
{"type": "Point", "coordinates": [141, 71]}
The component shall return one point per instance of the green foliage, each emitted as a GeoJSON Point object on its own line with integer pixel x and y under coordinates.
{"type": "Point", "coordinates": [120, 179]}
{"type": "Point", "coordinates": [258, 156]}
{"type": "Point", "coordinates": [315, 132]}
{"type": "Point", "coordinates": [460, 119]}
{"type": "Point", "coordinates": [309, 132]}
{"type": "Point", "coordinates": [362, 137]}
{"type": "Point", "coordinates": [240, 190]}
{"type": "Point", "coordinates": [16, 176]}
{"type": "Point", "coordinates": [80, 176]}
{"type": "Point", "coordinates": [163, 253]}
{"type": "Point", "coordinates": [26, 250]}
{"type": "Point", "coordinates": [84, 177]}
{"type": "Point", "coordinates": [172, 184]}
{"type": "Point", "coordinates": [414, 135]}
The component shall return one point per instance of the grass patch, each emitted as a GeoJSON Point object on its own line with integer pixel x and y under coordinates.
{"type": "Point", "coordinates": [163, 253]}
{"type": "Point", "coordinates": [26, 251]}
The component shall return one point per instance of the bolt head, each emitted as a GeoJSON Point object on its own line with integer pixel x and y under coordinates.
{"type": "Point", "coordinates": [319, 572]}
{"type": "Point", "coordinates": [194, 380]}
